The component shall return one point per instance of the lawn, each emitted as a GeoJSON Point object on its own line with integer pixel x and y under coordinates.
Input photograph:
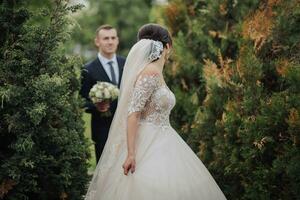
{"type": "Point", "coordinates": [87, 133]}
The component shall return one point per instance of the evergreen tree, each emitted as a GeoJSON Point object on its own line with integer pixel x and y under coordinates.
{"type": "Point", "coordinates": [257, 138]}
{"type": "Point", "coordinates": [43, 150]}
{"type": "Point", "coordinates": [235, 73]}
{"type": "Point", "coordinates": [201, 30]}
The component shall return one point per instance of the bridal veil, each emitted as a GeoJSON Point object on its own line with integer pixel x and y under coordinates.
{"type": "Point", "coordinates": [136, 61]}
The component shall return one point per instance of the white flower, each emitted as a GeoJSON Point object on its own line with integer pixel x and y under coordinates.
{"type": "Point", "coordinates": [98, 94]}
{"type": "Point", "coordinates": [93, 89]}
{"type": "Point", "coordinates": [106, 93]}
{"type": "Point", "coordinates": [100, 87]}
{"type": "Point", "coordinates": [103, 91]}
{"type": "Point", "coordinates": [115, 92]}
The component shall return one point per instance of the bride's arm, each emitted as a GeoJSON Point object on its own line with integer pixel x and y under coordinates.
{"type": "Point", "coordinates": [141, 93]}
{"type": "Point", "coordinates": [132, 126]}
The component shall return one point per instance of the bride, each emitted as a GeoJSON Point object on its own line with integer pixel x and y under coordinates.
{"type": "Point", "coordinates": [144, 158]}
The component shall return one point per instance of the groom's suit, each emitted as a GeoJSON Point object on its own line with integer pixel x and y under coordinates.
{"type": "Point", "coordinates": [91, 73]}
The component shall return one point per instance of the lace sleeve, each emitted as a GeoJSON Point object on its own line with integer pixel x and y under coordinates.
{"type": "Point", "coordinates": [142, 91]}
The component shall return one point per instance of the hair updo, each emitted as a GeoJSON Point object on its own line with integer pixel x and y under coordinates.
{"type": "Point", "coordinates": [155, 32]}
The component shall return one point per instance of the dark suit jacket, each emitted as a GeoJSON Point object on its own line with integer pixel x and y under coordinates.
{"type": "Point", "coordinates": [91, 73]}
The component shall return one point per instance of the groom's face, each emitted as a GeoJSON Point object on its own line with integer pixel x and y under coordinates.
{"type": "Point", "coordinates": [107, 41]}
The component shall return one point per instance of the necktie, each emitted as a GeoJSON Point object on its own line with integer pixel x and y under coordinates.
{"type": "Point", "coordinates": [112, 72]}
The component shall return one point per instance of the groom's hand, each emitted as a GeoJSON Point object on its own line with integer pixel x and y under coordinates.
{"type": "Point", "coordinates": [103, 106]}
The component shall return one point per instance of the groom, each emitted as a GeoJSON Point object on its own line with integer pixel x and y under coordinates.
{"type": "Point", "coordinates": [106, 67]}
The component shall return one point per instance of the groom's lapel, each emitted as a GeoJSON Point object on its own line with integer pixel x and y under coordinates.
{"type": "Point", "coordinates": [100, 72]}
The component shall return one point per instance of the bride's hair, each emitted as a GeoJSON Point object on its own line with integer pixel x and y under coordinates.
{"type": "Point", "coordinates": [155, 32]}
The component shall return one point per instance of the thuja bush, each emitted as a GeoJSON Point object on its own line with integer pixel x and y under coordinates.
{"type": "Point", "coordinates": [43, 150]}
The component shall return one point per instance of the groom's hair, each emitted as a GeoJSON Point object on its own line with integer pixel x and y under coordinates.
{"type": "Point", "coordinates": [104, 27]}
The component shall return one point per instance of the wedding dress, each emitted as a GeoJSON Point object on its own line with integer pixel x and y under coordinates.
{"type": "Point", "coordinates": [166, 167]}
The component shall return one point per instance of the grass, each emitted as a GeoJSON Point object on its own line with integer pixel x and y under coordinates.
{"type": "Point", "coordinates": [87, 134]}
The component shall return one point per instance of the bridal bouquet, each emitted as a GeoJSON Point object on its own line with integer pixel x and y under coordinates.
{"type": "Point", "coordinates": [103, 91]}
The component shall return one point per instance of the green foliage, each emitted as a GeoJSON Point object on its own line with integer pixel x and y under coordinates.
{"type": "Point", "coordinates": [201, 30]}
{"type": "Point", "coordinates": [43, 149]}
{"type": "Point", "coordinates": [241, 60]}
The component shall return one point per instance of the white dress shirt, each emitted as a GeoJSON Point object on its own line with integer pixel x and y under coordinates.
{"type": "Point", "coordinates": [104, 61]}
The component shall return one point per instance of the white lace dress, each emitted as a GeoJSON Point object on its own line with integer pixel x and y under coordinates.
{"type": "Point", "coordinates": [166, 167]}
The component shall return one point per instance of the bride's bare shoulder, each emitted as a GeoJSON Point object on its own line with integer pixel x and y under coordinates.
{"type": "Point", "coordinates": [150, 72]}
{"type": "Point", "coordinates": [150, 69]}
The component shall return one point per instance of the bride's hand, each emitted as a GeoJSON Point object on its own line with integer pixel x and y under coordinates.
{"type": "Point", "coordinates": [129, 164]}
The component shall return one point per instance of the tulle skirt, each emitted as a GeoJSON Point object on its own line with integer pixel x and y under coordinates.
{"type": "Point", "coordinates": [166, 169]}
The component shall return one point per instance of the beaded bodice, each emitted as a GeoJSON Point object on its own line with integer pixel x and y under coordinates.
{"type": "Point", "coordinates": [153, 99]}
